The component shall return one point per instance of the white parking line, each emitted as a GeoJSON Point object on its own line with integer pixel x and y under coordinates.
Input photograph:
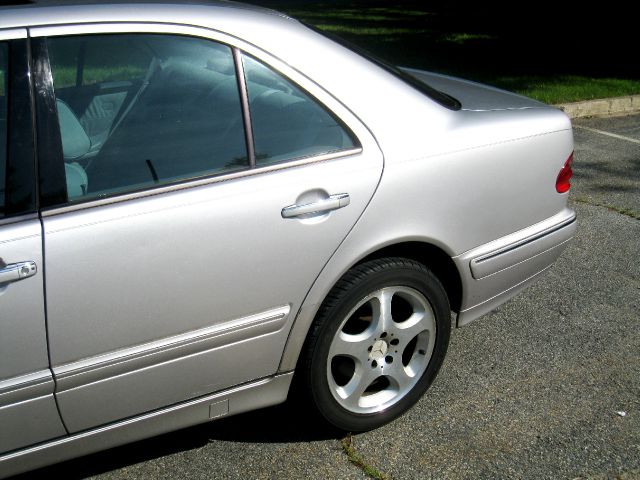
{"type": "Point", "coordinates": [609, 134]}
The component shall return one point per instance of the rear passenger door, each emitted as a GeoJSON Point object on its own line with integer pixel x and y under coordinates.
{"type": "Point", "coordinates": [180, 244]}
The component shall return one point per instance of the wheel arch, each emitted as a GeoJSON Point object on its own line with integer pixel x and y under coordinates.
{"type": "Point", "coordinates": [428, 254]}
{"type": "Point", "coordinates": [432, 257]}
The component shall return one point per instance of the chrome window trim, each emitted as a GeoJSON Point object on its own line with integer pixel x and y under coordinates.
{"type": "Point", "coordinates": [199, 182]}
{"type": "Point", "coordinates": [17, 219]}
{"type": "Point", "coordinates": [13, 34]}
{"type": "Point", "coordinates": [317, 92]}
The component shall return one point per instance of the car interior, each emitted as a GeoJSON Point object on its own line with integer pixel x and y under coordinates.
{"type": "Point", "coordinates": [178, 117]}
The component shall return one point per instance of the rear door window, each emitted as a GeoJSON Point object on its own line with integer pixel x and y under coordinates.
{"type": "Point", "coordinates": [142, 110]}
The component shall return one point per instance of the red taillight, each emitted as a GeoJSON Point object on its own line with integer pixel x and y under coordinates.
{"type": "Point", "coordinates": [563, 183]}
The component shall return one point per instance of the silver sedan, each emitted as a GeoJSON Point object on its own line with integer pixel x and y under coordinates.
{"type": "Point", "coordinates": [205, 206]}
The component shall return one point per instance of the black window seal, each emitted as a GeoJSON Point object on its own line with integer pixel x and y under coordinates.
{"type": "Point", "coordinates": [20, 178]}
{"type": "Point", "coordinates": [51, 175]}
{"type": "Point", "coordinates": [246, 111]}
{"type": "Point", "coordinates": [434, 94]}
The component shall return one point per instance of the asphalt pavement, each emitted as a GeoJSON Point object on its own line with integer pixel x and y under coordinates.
{"type": "Point", "coordinates": [547, 386]}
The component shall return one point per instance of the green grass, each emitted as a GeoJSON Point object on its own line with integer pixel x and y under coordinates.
{"type": "Point", "coordinates": [374, 31]}
{"type": "Point", "coordinates": [368, 15]}
{"type": "Point", "coordinates": [461, 38]}
{"type": "Point", "coordinates": [65, 76]}
{"type": "Point", "coordinates": [568, 88]}
{"type": "Point", "coordinates": [358, 461]}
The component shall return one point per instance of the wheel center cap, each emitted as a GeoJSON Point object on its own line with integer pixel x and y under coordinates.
{"type": "Point", "coordinates": [378, 350]}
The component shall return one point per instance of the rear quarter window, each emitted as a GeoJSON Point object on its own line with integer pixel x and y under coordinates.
{"type": "Point", "coordinates": [287, 122]}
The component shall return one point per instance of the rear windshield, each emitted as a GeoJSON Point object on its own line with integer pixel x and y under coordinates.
{"type": "Point", "coordinates": [439, 97]}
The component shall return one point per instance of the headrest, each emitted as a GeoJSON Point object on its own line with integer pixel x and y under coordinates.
{"type": "Point", "coordinates": [75, 141]}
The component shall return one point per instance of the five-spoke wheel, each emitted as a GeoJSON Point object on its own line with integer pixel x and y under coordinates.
{"type": "Point", "coordinates": [377, 343]}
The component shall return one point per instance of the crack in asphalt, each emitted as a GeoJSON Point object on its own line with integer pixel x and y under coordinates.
{"type": "Point", "coordinates": [354, 457]}
{"type": "Point", "coordinates": [627, 212]}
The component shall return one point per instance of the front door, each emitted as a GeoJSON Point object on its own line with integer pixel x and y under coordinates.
{"type": "Point", "coordinates": [28, 411]}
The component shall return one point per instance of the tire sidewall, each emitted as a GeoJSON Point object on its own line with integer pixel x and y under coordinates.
{"type": "Point", "coordinates": [399, 273]}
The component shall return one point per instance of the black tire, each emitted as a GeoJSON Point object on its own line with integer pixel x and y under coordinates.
{"type": "Point", "coordinates": [321, 380]}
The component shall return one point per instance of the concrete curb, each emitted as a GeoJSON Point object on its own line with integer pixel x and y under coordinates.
{"type": "Point", "coordinates": [602, 107]}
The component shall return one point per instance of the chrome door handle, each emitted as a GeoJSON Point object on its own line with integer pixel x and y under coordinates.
{"type": "Point", "coordinates": [334, 202]}
{"type": "Point", "coordinates": [17, 271]}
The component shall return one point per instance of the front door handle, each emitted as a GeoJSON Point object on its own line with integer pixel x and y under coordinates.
{"type": "Point", "coordinates": [334, 202]}
{"type": "Point", "coordinates": [17, 271]}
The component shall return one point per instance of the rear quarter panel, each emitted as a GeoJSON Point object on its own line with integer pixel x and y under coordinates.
{"type": "Point", "coordinates": [474, 178]}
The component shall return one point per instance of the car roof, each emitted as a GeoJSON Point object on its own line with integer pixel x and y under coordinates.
{"type": "Point", "coordinates": [33, 13]}
{"type": "Point", "coordinates": [81, 3]}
